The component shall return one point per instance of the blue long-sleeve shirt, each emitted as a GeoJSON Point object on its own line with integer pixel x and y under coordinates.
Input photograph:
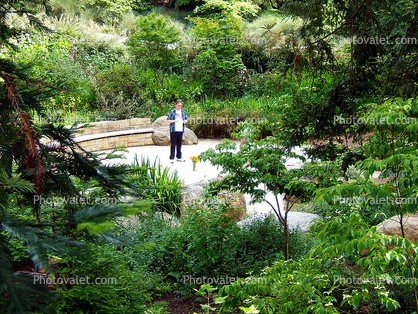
{"type": "Point", "coordinates": [172, 116]}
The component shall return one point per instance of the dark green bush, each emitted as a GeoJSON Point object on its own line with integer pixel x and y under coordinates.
{"type": "Point", "coordinates": [261, 242]}
{"type": "Point", "coordinates": [254, 57]}
{"type": "Point", "coordinates": [120, 107]}
{"type": "Point", "coordinates": [128, 291]}
{"type": "Point", "coordinates": [208, 244]}
{"type": "Point", "coordinates": [120, 78]}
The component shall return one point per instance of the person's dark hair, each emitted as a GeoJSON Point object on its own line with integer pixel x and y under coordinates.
{"type": "Point", "coordinates": [240, 119]}
{"type": "Point", "coordinates": [179, 101]}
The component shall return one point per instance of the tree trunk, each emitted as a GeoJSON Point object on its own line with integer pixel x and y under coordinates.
{"type": "Point", "coordinates": [286, 239]}
{"type": "Point", "coordinates": [411, 268]}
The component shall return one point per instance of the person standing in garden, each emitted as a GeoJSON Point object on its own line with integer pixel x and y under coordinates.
{"type": "Point", "coordinates": [177, 117]}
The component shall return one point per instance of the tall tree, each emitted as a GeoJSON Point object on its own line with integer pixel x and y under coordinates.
{"type": "Point", "coordinates": [30, 169]}
{"type": "Point", "coordinates": [379, 40]}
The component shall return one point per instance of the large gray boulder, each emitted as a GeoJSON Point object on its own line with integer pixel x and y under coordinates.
{"type": "Point", "coordinates": [392, 226]}
{"type": "Point", "coordinates": [161, 136]}
{"type": "Point", "coordinates": [159, 122]}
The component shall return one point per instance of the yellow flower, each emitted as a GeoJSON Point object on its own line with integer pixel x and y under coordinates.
{"type": "Point", "coordinates": [159, 177]}
{"type": "Point", "coordinates": [268, 96]}
{"type": "Point", "coordinates": [13, 201]}
{"type": "Point", "coordinates": [194, 158]}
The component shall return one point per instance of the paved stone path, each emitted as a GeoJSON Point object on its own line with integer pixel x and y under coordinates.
{"type": "Point", "coordinates": [206, 171]}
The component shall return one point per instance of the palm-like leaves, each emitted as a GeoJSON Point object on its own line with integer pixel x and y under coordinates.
{"type": "Point", "coordinates": [8, 185]}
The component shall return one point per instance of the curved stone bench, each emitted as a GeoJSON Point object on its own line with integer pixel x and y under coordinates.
{"type": "Point", "coordinates": [112, 134]}
{"type": "Point", "coordinates": [105, 135]}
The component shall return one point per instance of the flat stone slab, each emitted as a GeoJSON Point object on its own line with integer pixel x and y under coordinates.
{"type": "Point", "coordinates": [90, 137]}
{"type": "Point", "coordinates": [295, 220]}
{"type": "Point", "coordinates": [301, 220]}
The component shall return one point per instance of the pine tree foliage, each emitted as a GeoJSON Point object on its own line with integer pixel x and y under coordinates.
{"type": "Point", "coordinates": [30, 168]}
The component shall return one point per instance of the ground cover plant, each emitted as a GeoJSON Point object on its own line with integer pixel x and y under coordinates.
{"type": "Point", "coordinates": [207, 243]}
{"type": "Point", "coordinates": [311, 70]}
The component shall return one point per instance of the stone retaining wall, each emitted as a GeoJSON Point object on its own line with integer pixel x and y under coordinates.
{"type": "Point", "coordinates": [141, 134]}
{"type": "Point", "coordinates": [130, 140]}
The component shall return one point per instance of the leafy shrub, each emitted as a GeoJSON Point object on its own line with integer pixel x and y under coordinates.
{"type": "Point", "coordinates": [174, 87]}
{"type": "Point", "coordinates": [186, 3]}
{"type": "Point", "coordinates": [96, 59]}
{"type": "Point", "coordinates": [217, 62]}
{"type": "Point", "coordinates": [127, 290]}
{"type": "Point", "coordinates": [54, 64]}
{"type": "Point", "coordinates": [254, 57]}
{"type": "Point", "coordinates": [261, 242]}
{"type": "Point", "coordinates": [156, 111]}
{"type": "Point", "coordinates": [276, 290]}
{"type": "Point", "coordinates": [208, 243]}
{"type": "Point", "coordinates": [119, 107]}
{"type": "Point", "coordinates": [120, 78]}
{"type": "Point", "coordinates": [150, 44]}
{"type": "Point", "coordinates": [115, 8]}
{"type": "Point", "coordinates": [142, 5]}
{"type": "Point", "coordinates": [348, 270]}
{"type": "Point", "coordinates": [372, 215]}
{"type": "Point", "coordinates": [220, 8]}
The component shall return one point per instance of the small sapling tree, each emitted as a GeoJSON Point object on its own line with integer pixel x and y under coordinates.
{"type": "Point", "coordinates": [217, 61]}
{"type": "Point", "coordinates": [259, 167]}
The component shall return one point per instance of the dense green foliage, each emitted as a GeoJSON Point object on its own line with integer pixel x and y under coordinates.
{"type": "Point", "coordinates": [159, 184]}
{"type": "Point", "coordinates": [207, 243]}
{"type": "Point", "coordinates": [301, 72]}
{"type": "Point", "coordinates": [150, 44]}
{"type": "Point", "coordinates": [323, 283]}
{"type": "Point", "coordinates": [217, 62]}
